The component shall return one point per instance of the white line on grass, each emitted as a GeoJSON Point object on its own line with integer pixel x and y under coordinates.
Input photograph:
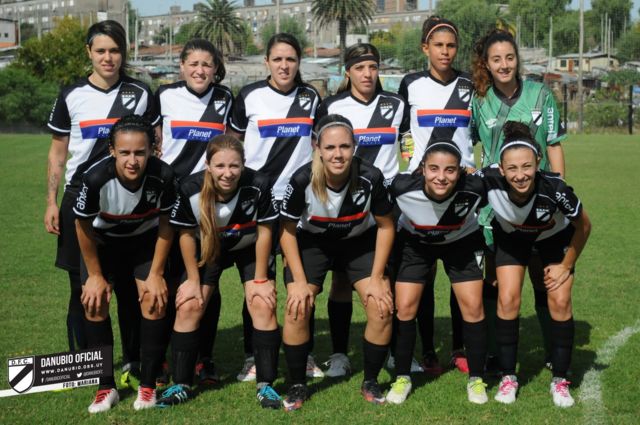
{"type": "Point", "coordinates": [591, 387]}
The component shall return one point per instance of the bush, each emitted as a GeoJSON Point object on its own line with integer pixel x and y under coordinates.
{"type": "Point", "coordinates": [605, 114]}
{"type": "Point", "coordinates": [25, 101]}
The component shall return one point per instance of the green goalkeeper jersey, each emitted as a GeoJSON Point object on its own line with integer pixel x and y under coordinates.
{"type": "Point", "coordinates": [533, 104]}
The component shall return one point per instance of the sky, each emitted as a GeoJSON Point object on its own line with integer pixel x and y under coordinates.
{"type": "Point", "coordinates": [158, 7]}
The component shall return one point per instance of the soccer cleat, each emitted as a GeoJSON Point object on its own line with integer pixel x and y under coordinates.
{"type": "Point", "coordinates": [162, 380]}
{"type": "Point", "coordinates": [559, 389]}
{"type": "Point", "coordinates": [206, 372]}
{"type": "Point", "coordinates": [477, 391]}
{"type": "Point", "coordinates": [105, 400]}
{"type": "Point", "coordinates": [313, 371]}
{"type": "Point", "coordinates": [339, 365]}
{"type": "Point", "coordinates": [459, 361]}
{"type": "Point", "coordinates": [146, 398]}
{"type": "Point", "coordinates": [268, 398]}
{"type": "Point", "coordinates": [430, 364]}
{"type": "Point", "coordinates": [130, 377]}
{"type": "Point", "coordinates": [296, 396]}
{"type": "Point", "coordinates": [507, 389]}
{"type": "Point", "coordinates": [371, 392]}
{"type": "Point", "coordinates": [399, 390]}
{"type": "Point", "coordinates": [173, 395]}
{"type": "Point", "coordinates": [415, 366]}
{"type": "Point", "coordinates": [248, 372]}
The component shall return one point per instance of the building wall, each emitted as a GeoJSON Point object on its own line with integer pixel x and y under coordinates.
{"type": "Point", "coordinates": [7, 33]}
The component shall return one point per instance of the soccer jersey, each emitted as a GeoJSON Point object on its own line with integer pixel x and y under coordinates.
{"type": "Point", "coordinates": [86, 114]}
{"type": "Point", "coordinates": [437, 110]}
{"type": "Point", "coordinates": [375, 126]}
{"type": "Point", "coordinates": [347, 213]}
{"type": "Point", "coordinates": [189, 121]}
{"type": "Point", "coordinates": [533, 104]}
{"type": "Point", "coordinates": [118, 211]}
{"type": "Point", "coordinates": [236, 219]}
{"type": "Point", "coordinates": [277, 129]}
{"type": "Point", "coordinates": [539, 216]}
{"type": "Point", "coordinates": [433, 221]}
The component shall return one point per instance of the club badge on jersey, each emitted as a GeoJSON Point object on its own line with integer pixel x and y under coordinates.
{"type": "Point", "coordinates": [128, 99]}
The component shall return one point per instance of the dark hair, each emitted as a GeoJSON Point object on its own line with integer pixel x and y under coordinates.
{"type": "Point", "coordinates": [132, 123]}
{"type": "Point", "coordinates": [439, 145]}
{"type": "Point", "coordinates": [289, 39]}
{"type": "Point", "coordinates": [205, 46]}
{"type": "Point", "coordinates": [482, 78]}
{"type": "Point", "coordinates": [354, 52]}
{"type": "Point", "coordinates": [518, 135]}
{"type": "Point", "coordinates": [430, 24]}
{"type": "Point", "coordinates": [116, 32]}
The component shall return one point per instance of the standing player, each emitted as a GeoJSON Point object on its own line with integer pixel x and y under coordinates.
{"type": "Point", "coordinates": [336, 214]}
{"type": "Point", "coordinates": [124, 234]}
{"type": "Point", "coordinates": [376, 116]}
{"type": "Point", "coordinates": [274, 117]}
{"type": "Point", "coordinates": [501, 96]}
{"type": "Point", "coordinates": [80, 121]}
{"type": "Point", "coordinates": [193, 111]}
{"type": "Point", "coordinates": [533, 210]}
{"type": "Point", "coordinates": [224, 214]}
{"type": "Point", "coordinates": [438, 103]}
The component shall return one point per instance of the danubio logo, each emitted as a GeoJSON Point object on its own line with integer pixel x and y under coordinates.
{"type": "Point", "coordinates": [97, 129]}
{"type": "Point", "coordinates": [195, 131]}
{"type": "Point", "coordinates": [443, 117]}
{"type": "Point", "coordinates": [375, 136]}
{"type": "Point", "coordinates": [287, 127]}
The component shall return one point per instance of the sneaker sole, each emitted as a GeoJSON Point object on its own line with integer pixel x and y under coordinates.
{"type": "Point", "coordinates": [371, 399]}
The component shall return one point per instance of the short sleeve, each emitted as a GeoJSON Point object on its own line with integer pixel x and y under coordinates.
{"type": "Point", "coordinates": [239, 120]}
{"type": "Point", "coordinates": [266, 204]}
{"type": "Point", "coordinates": [88, 201]}
{"type": "Point", "coordinates": [152, 112]}
{"type": "Point", "coordinates": [168, 197]}
{"type": "Point", "coordinates": [381, 203]}
{"type": "Point", "coordinates": [182, 214]}
{"type": "Point", "coordinates": [556, 131]}
{"type": "Point", "coordinates": [405, 124]}
{"type": "Point", "coordinates": [293, 203]}
{"type": "Point", "coordinates": [566, 200]}
{"type": "Point", "coordinates": [59, 119]}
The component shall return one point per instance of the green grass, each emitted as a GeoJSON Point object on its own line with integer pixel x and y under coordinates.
{"type": "Point", "coordinates": [602, 169]}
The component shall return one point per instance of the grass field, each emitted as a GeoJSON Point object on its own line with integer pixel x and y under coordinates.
{"type": "Point", "coordinates": [33, 304]}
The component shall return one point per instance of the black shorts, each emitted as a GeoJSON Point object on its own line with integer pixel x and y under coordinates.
{"type": "Point", "coordinates": [512, 250]}
{"type": "Point", "coordinates": [68, 254]}
{"type": "Point", "coordinates": [124, 258]}
{"type": "Point", "coordinates": [462, 259]}
{"type": "Point", "coordinates": [245, 261]}
{"type": "Point", "coordinates": [354, 256]}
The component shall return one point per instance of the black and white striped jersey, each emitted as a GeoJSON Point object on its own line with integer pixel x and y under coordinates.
{"type": "Point", "coordinates": [438, 222]}
{"type": "Point", "coordinates": [189, 121]}
{"type": "Point", "coordinates": [437, 110]}
{"type": "Point", "coordinates": [86, 114]}
{"type": "Point", "coordinates": [237, 218]}
{"type": "Point", "coordinates": [277, 129]}
{"type": "Point", "coordinates": [376, 126]}
{"type": "Point", "coordinates": [119, 212]}
{"type": "Point", "coordinates": [542, 215]}
{"type": "Point", "coordinates": [347, 213]}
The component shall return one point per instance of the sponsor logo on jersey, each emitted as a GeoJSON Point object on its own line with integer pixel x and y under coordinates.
{"type": "Point", "coordinates": [195, 131]}
{"type": "Point", "coordinates": [551, 121]}
{"type": "Point", "coordinates": [342, 223]}
{"type": "Point", "coordinates": [304, 100]}
{"type": "Point", "coordinates": [220, 106]}
{"type": "Point", "coordinates": [287, 127]}
{"type": "Point", "coordinates": [386, 110]}
{"type": "Point", "coordinates": [561, 198]}
{"type": "Point", "coordinates": [81, 203]}
{"type": "Point", "coordinates": [248, 207]}
{"type": "Point", "coordinates": [543, 213]}
{"type": "Point", "coordinates": [237, 230]}
{"type": "Point", "coordinates": [443, 117]}
{"type": "Point", "coordinates": [434, 230]}
{"type": "Point", "coordinates": [128, 99]}
{"type": "Point", "coordinates": [491, 122]}
{"type": "Point", "coordinates": [21, 373]}
{"type": "Point", "coordinates": [151, 195]}
{"type": "Point", "coordinates": [375, 136]}
{"type": "Point", "coordinates": [97, 129]}
{"type": "Point", "coordinates": [359, 196]}
{"type": "Point", "coordinates": [464, 93]}
{"type": "Point", "coordinates": [461, 208]}
{"type": "Point", "coordinates": [536, 116]}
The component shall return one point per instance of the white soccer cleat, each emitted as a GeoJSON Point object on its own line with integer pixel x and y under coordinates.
{"type": "Point", "coordinates": [248, 372]}
{"type": "Point", "coordinates": [313, 371]}
{"type": "Point", "coordinates": [477, 391]}
{"type": "Point", "coordinates": [339, 365]}
{"type": "Point", "coordinates": [146, 398]}
{"type": "Point", "coordinates": [507, 389]}
{"type": "Point", "coordinates": [105, 400]}
{"type": "Point", "coordinates": [559, 389]}
{"type": "Point", "coordinates": [399, 390]}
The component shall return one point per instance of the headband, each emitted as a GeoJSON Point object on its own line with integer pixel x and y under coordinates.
{"type": "Point", "coordinates": [333, 124]}
{"type": "Point", "coordinates": [445, 144]}
{"type": "Point", "coordinates": [443, 25]}
{"type": "Point", "coordinates": [353, 61]}
{"type": "Point", "coordinates": [519, 143]}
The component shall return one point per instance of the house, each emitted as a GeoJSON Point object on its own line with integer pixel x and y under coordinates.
{"type": "Point", "coordinates": [592, 61]}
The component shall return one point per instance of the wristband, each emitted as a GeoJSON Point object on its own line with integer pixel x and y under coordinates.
{"type": "Point", "coordinates": [259, 281]}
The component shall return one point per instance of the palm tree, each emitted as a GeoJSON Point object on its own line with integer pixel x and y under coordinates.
{"type": "Point", "coordinates": [216, 21]}
{"type": "Point", "coordinates": [346, 12]}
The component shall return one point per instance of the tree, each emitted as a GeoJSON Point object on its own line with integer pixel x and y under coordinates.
{"type": "Point", "coordinates": [345, 12]}
{"type": "Point", "coordinates": [408, 50]}
{"type": "Point", "coordinates": [629, 45]}
{"type": "Point", "coordinates": [619, 11]}
{"type": "Point", "coordinates": [216, 21]}
{"type": "Point", "coordinates": [534, 19]}
{"type": "Point", "coordinates": [185, 33]}
{"type": "Point", "coordinates": [24, 99]}
{"type": "Point", "coordinates": [288, 24]}
{"type": "Point", "coordinates": [386, 41]}
{"type": "Point", "coordinates": [162, 36]}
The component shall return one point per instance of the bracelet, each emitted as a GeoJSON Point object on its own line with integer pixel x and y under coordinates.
{"type": "Point", "coordinates": [256, 281]}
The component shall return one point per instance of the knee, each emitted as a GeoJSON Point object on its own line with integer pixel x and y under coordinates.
{"type": "Point", "coordinates": [509, 302]}
{"type": "Point", "coordinates": [260, 309]}
{"type": "Point", "coordinates": [406, 309]}
{"type": "Point", "coordinates": [190, 310]}
{"type": "Point", "coordinates": [560, 305]}
{"type": "Point", "coordinates": [472, 312]}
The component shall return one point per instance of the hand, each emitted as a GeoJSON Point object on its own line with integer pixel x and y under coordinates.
{"type": "Point", "coordinates": [156, 287]}
{"type": "Point", "coordinates": [470, 170]}
{"type": "Point", "coordinates": [379, 289]}
{"type": "Point", "coordinates": [51, 219]}
{"type": "Point", "coordinates": [555, 275]}
{"type": "Point", "coordinates": [266, 291]}
{"type": "Point", "coordinates": [93, 291]}
{"type": "Point", "coordinates": [188, 290]}
{"type": "Point", "coordinates": [299, 299]}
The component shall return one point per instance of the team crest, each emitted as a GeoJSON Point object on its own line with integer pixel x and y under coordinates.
{"type": "Point", "coordinates": [305, 101]}
{"type": "Point", "coordinates": [543, 213]}
{"type": "Point", "coordinates": [386, 110]}
{"type": "Point", "coordinates": [536, 116]}
{"type": "Point", "coordinates": [21, 373]}
{"type": "Point", "coordinates": [151, 195]}
{"type": "Point", "coordinates": [128, 99]}
{"type": "Point", "coordinates": [464, 93]}
{"type": "Point", "coordinates": [491, 122]}
{"type": "Point", "coordinates": [461, 208]}
{"type": "Point", "coordinates": [220, 106]}
{"type": "Point", "coordinates": [479, 259]}
{"type": "Point", "coordinates": [359, 197]}
{"type": "Point", "coordinates": [248, 207]}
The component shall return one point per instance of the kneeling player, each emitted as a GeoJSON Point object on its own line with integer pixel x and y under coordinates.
{"type": "Point", "coordinates": [124, 233]}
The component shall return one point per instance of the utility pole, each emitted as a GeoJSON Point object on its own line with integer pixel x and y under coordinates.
{"type": "Point", "coordinates": [135, 37]}
{"type": "Point", "coordinates": [549, 65]}
{"type": "Point", "coordinates": [277, 16]}
{"type": "Point", "coordinates": [580, 88]}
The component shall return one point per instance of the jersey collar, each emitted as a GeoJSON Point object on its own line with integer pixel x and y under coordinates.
{"type": "Point", "coordinates": [373, 98]}
{"type": "Point", "coordinates": [506, 100]}
{"type": "Point", "coordinates": [456, 73]}
{"type": "Point", "coordinates": [196, 94]}
{"type": "Point", "coordinates": [110, 89]}
{"type": "Point", "coordinates": [287, 93]}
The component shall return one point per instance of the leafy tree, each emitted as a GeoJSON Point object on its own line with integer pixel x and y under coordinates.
{"type": "Point", "coordinates": [385, 42]}
{"type": "Point", "coordinates": [288, 24]}
{"type": "Point", "coordinates": [162, 37]}
{"type": "Point", "coordinates": [243, 41]}
{"type": "Point", "coordinates": [408, 50]}
{"type": "Point", "coordinates": [619, 11]}
{"type": "Point", "coordinates": [217, 22]}
{"type": "Point", "coordinates": [27, 31]}
{"type": "Point", "coordinates": [629, 45]}
{"type": "Point", "coordinates": [535, 13]}
{"type": "Point", "coordinates": [24, 99]}
{"type": "Point", "coordinates": [185, 33]}
{"type": "Point", "coordinates": [345, 12]}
